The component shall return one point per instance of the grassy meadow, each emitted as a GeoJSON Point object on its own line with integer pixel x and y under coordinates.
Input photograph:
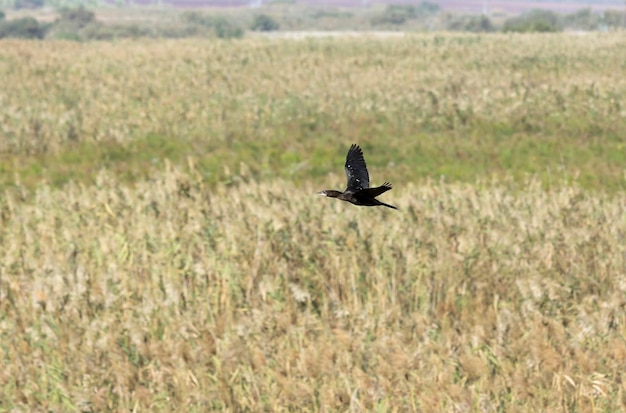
{"type": "Point", "coordinates": [458, 106]}
{"type": "Point", "coordinates": [162, 249]}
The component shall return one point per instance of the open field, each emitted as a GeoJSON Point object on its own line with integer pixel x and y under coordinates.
{"type": "Point", "coordinates": [161, 248]}
{"type": "Point", "coordinates": [462, 106]}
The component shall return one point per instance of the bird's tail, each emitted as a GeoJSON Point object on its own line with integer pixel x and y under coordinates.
{"type": "Point", "coordinates": [387, 205]}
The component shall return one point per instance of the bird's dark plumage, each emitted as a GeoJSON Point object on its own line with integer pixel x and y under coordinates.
{"type": "Point", "coordinates": [358, 191]}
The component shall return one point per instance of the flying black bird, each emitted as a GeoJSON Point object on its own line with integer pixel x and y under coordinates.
{"type": "Point", "coordinates": [358, 191]}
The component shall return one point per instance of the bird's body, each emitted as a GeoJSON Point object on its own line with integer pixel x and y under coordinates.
{"type": "Point", "coordinates": [358, 191]}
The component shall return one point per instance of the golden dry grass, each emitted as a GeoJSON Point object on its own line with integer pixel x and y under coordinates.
{"type": "Point", "coordinates": [173, 296]}
{"type": "Point", "coordinates": [481, 103]}
{"type": "Point", "coordinates": [55, 92]}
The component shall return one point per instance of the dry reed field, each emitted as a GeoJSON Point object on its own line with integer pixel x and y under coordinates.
{"type": "Point", "coordinates": [172, 296]}
{"type": "Point", "coordinates": [162, 249]}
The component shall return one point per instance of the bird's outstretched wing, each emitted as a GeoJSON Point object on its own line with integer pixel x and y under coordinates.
{"type": "Point", "coordinates": [356, 170]}
{"type": "Point", "coordinates": [374, 192]}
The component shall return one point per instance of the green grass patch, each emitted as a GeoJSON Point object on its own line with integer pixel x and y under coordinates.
{"type": "Point", "coordinates": [595, 164]}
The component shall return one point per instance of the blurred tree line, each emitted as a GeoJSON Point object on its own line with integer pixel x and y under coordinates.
{"type": "Point", "coordinates": [79, 23]}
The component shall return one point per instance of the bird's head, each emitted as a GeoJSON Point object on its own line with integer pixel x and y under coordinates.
{"type": "Point", "coordinates": [329, 193]}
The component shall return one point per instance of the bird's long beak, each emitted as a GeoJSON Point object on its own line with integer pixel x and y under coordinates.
{"type": "Point", "coordinates": [321, 193]}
